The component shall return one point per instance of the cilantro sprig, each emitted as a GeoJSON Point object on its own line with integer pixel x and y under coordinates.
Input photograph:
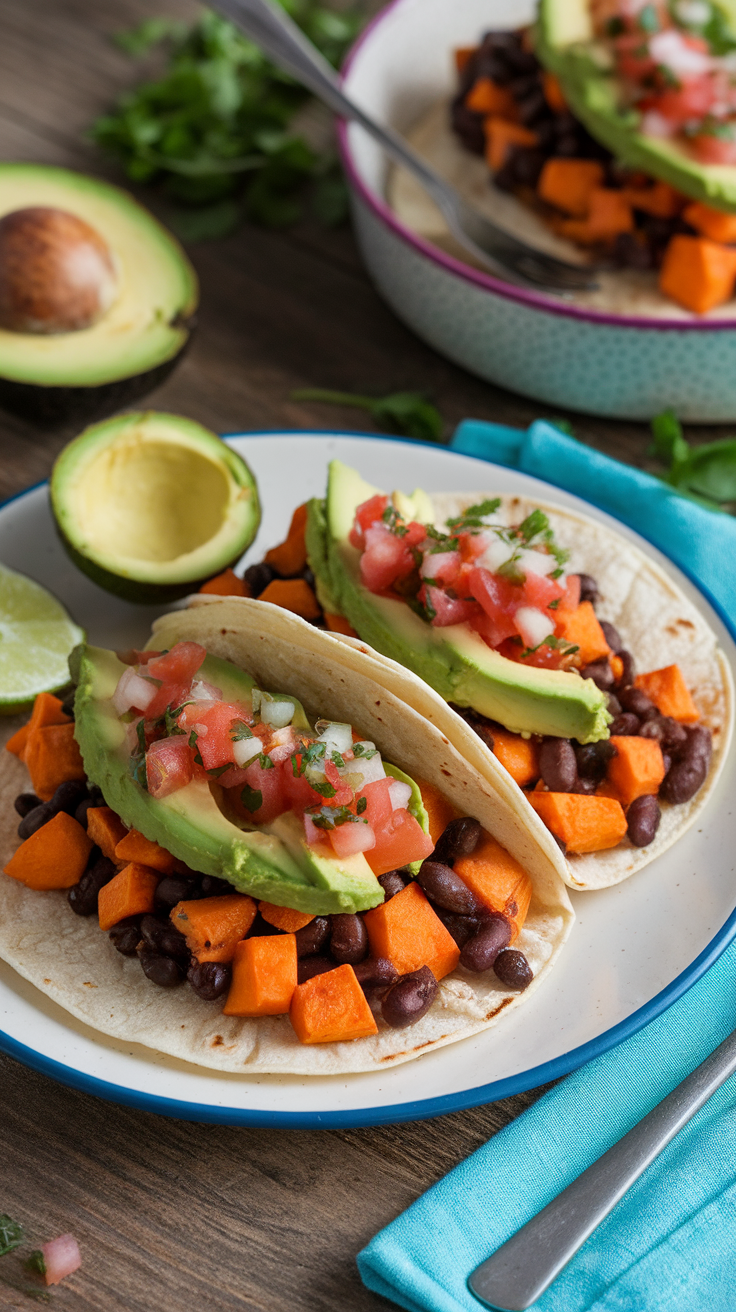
{"type": "Point", "coordinates": [408, 414]}
{"type": "Point", "coordinates": [706, 473]}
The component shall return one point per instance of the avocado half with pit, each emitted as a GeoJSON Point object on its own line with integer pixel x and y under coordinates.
{"type": "Point", "coordinates": [97, 299]}
{"type": "Point", "coordinates": [152, 505]}
{"type": "Point", "coordinates": [566, 45]}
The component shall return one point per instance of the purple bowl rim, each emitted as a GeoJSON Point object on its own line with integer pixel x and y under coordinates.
{"type": "Point", "coordinates": [486, 281]}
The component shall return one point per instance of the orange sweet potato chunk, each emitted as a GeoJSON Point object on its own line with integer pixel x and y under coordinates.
{"type": "Point", "coordinates": [290, 557]}
{"type": "Point", "coordinates": [338, 624]}
{"type": "Point", "coordinates": [462, 55]}
{"type": "Point", "coordinates": [581, 628]}
{"type": "Point", "coordinates": [439, 811]}
{"type": "Point", "coordinates": [407, 932]}
{"type": "Point", "coordinates": [553, 93]}
{"type": "Point", "coordinates": [294, 595]}
{"type": "Point", "coordinates": [106, 829]}
{"type": "Point", "coordinates": [660, 199]}
{"type": "Point", "coordinates": [283, 917]}
{"type": "Point", "coordinates": [331, 1008]}
{"type": "Point", "coordinates": [264, 976]}
{"type": "Point", "coordinates": [136, 847]}
{"type": "Point", "coordinates": [16, 744]}
{"type": "Point", "coordinates": [54, 857]}
{"type": "Point", "coordinates": [567, 184]}
{"type": "Point", "coordinates": [583, 823]}
{"type": "Point", "coordinates": [52, 757]}
{"type": "Point", "coordinates": [46, 710]}
{"type": "Point", "coordinates": [669, 692]}
{"type": "Point", "coordinates": [715, 224]}
{"type": "Point", "coordinates": [498, 880]}
{"type": "Point", "coordinates": [636, 769]}
{"type": "Point", "coordinates": [487, 97]}
{"type": "Point", "coordinates": [129, 893]}
{"type": "Point", "coordinates": [697, 273]}
{"type": "Point", "coordinates": [501, 137]}
{"type": "Point", "coordinates": [520, 756]}
{"type": "Point", "coordinates": [226, 584]}
{"type": "Point", "coordinates": [609, 213]}
{"type": "Point", "coordinates": [214, 925]}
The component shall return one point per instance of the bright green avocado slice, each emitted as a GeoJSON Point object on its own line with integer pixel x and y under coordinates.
{"type": "Point", "coordinates": [565, 44]}
{"type": "Point", "coordinates": [453, 660]}
{"type": "Point", "coordinates": [150, 505]}
{"type": "Point", "coordinates": [271, 862]}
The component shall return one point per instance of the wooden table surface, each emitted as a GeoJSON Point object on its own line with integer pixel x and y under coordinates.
{"type": "Point", "coordinates": [172, 1215]}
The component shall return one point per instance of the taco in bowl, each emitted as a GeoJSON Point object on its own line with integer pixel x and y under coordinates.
{"type": "Point", "coordinates": [560, 649]}
{"type": "Point", "coordinates": [301, 874]}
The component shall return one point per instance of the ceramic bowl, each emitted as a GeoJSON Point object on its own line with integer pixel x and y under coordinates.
{"type": "Point", "coordinates": [603, 363]}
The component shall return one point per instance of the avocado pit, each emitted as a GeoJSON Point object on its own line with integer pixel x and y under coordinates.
{"type": "Point", "coordinates": [57, 274]}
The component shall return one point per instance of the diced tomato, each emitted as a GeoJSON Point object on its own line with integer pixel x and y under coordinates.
{"type": "Point", "coordinates": [692, 99]}
{"type": "Point", "coordinates": [546, 658]}
{"type": "Point", "coordinates": [378, 801]}
{"type": "Point", "coordinates": [216, 745]}
{"type": "Point", "coordinates": [344, 793]}
{"type": "Point", "coordinates": [233, 778]}
{"type": "Point", "coordinates": [351, 838]}
{"type": "Point", "coordinates": [385, 560]}
{"type": "Point", "coordinates": [493, 632]}
{"type": "Point", "coordinates": [448, 610]}
{"type": "Point", "coordinates": [539, 590]}
{"type": "Point", "coordinates": [714, 150]}
{"type": "Point", "coordinates": [471, 545]}
{"type": "Point", "coordinates": [269, 783]}
{"type": "Point", "coordinates": [175, 669]}
{"type": "Point", "coordinates": [499, 599]}
{"type": "Point", "coordinates": [298, 792]}
{"type": "Point", "coordinates": [570, 599]}
{"type": "Point", "coordinates": [632, 57]}
{"type": "Point", "coordinates": [168, 765]}
{"type": "Point", "coordinates": [415, 533]}
{"type": "Point", "coordinates": [367, 513]}
{"type": "Point", "coordinates": [399, 839]}
{"type": "Point", "coordinates": [442, 566]}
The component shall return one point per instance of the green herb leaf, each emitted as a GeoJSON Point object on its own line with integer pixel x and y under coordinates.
{"type": "Point", "coordinates": [36, 1262]}
{"type": "Point", "coordinates": [264, 761]}
{"type": "Point", "coordinates": [313, 753]}
{"type": "Point", "coordinates": [367, 753]}
{"type": "Point", "coordinates": [251, 798]}
{"type": "Point", "coordinates": [534, 524]}
{"type": "Point", "coordinates": [324, 788]}
{"type": "Point", "coordinates": [239, 730]}
{"type": "Point", "coordinates": [11, 1234]}
{"type": "Point", "coordinates": [361, 805]}
{"type": "Point", "coordinates": [648, 19]}
{"type": "Point", "coordinates": [473, 517]}
{"type": "Point", "coordinates": [409, 414]}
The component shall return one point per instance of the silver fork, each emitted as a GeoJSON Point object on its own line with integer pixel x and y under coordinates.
{"type": "Point", "coordinates": [271, 28]}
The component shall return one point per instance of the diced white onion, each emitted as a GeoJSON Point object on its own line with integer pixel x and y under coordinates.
{"type": "Point", "coordinates": [656, 125]}
{"type": "Point", "coordinates": [434, 563]}
{"type": "Point", "coordinates": [276, 713]}
{"type": "Point", "coordinates": [244, 749]}
{"type": "Point", "coordinates": [337, 736]}
{"type": "Point", "coordinates": [496, 554]}
{"type": "Point", "coordinates": [133, 690]}
{"type": "Point", "coordinates": [693, 12]}
{"type": "Point", "coordinates": [536, 562]}
{"type": "Point", "coordinates": [671, 49]}
{"type": "Point", "coordinates": [204, 692]}
{"type": "Point", "coordinates": [369, 770]}
{"type": "Point", "coordinates": [533, 625]}
{"type": "Point", "coordinates": [400, 794]}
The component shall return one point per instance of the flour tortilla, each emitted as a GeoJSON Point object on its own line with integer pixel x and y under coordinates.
{"type": "Point", "coordinates": [657, 624]}
{"type": "Point", "coordinates": [72, 962]}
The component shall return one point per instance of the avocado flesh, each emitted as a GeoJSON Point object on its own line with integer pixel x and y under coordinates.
{"type": "Point", "coordinates": [272, 862]}
{"type": "Point", "coordinates": [150, 505]}
{"type": "Point", "coordinates": [565, 45]}
{"type": "Point", "coordinates": [454, 660]}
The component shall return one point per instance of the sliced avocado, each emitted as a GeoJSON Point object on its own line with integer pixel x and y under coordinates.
{"type": "Point", "coordinates": [151, 505]}
{"type": "Point", "coordinates": [79, 375]}
{"type": "Point", "coordinates": [317, 547]}
{"type": "Point", "coordinates": [454, 660]}
{"type": "Point", "coordinates": [271, 862]}
{"type": "Point", "coordinates": [566, 45]}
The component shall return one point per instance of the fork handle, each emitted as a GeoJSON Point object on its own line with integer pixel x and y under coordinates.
{"type": "Point", "coordinates": [518, 1273]}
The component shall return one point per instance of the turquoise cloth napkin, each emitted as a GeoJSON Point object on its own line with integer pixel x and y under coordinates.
{"type": "Point", "coordinates": [670, 1244]}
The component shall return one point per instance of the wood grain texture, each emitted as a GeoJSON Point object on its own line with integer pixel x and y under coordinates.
{"type": "Point", "coordinates": [171, 1215]}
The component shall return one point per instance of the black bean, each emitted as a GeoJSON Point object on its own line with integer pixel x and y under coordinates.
{"type": "Point", "coordinates": [409, 998]}
{"type": "Point", "coordinates": [613, 704]}
{"type": "Point", "coordinates": [588, 585]}
{"type": "Point", "coordinates": [460, 927]}
{"type": "Point", "coordinates": [126, 935]}
{"type": "Point", "coordinates": [211, 886]}
{"type": "Point", "coordinates": [308, 967]}
{"type": "Point", "coordinates": [526, 164]}
{"type": "Point", "coordinates": [568, 145]}
{"type": "Point", "coordinates": [625, 725]}
{"type": "Point", "coordinates": [642, 819]}
{"type": "Point", "coordinates": [513, 969]}
{"type": "Point", "coordinates": [561, 844]}
{"type": "Point", "coordinates": [392, 882]}
{"type": "Point", "coordinates": [666, 761]}
{"type": "Point", "coordinates": [174, 888]}
{"type": "Point", "coordinates": [67, 706]}
{"type": "Point", "coordinates": [210, 979]}
{"type": "Point", "coordinates": [163, 937]}
{"type": "Point", "coordinates": [80, 815]}
{"type": "Point", "coordinates": [82, 897]}
{"type": "Point", "coordinates": [311, 938]}
{"type": "Point", "coordinates": [683, 780]}
{"type": "Point", "coordinates": [699, 743]}
{"type": "Point", "coordinates": [532, 108]}
{"type": "Point", "coordinates": [447, 890]}
{"type": "Point", "coordinates": [666, 731]}
{"type": "Point", "coordinates": [628, 673]}
{"type": "Point", "coordinates": [258, 577]}
{"type": "Point", "coordinates": [612, 635]}
{"type": "Point", "coordinates": [161, 970]}
{"type": "Point", "coordinates": [460, 838]}
{"type": "Point", "coordinates": [68, 796]}
{"type": "Point", "coordinates": [601, 674]}
{"type": "Point", "coordinates": [631, 251]}
{"type": "Point", "coordinates": [557, 765]}
{"type": "Point", "coordinates": [520, 60]}
{"type": "Point", "coordinates": [592, 759]}
{"type": "Point", "coordinates": [26, 802]}
{"type": "Point", "coordinates": [521, 86]}
{"type": "Point", "coordinates": [480, 951]}
{"type": "Point", "coordinates": [348, 939]}
{"type": "Point", "coordinates": [40, 815]}
{"type": "Point", "coordinates": [96, 794]}
{"type": "Point", "coordinates": [469, 128]}
{"type": "Point", "coordinates": [376, 973]}
{"type": "Point", "coordinates": [636, 701]}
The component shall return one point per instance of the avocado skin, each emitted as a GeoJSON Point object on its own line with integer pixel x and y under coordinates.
{"type": "Point", "coordinates": [141, 594]}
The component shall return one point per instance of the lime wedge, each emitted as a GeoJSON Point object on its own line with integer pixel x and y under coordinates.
{"type": "Point", "coordinates": [36, 637]}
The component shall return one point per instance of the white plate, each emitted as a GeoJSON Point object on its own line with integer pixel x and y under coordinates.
{"type": "Point", "coordinates": [634, 949]}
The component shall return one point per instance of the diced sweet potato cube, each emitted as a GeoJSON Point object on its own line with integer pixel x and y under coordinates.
{"type": "Point", "coordinates": [338, 624]}
{"type": "Point", "coordinates": [636, 769]}
{"type": "Point", "coordinates": [46, 710]}
{"type": "Point", "coordinates": [669, 692]}
{"type": "Point", "coordinates": [290, 557]}
{"type": "Point", "coordinates": [134, 846]}
{"type": "Point", "coordinates": [498, 880]}
{"type": "Point", "coordinates": [283, 917]}
{"type": "Point", "coordinates": [331, 1008]}
{"type": "Point", "coordinates": [580, 627]}
{"type": "Point", "coordinates": [487, 97]}
{"type": "Point", "coordinates": [501, 137]}
{"type": "Point", "coordinates": [520, 756]}
{"type": "Point", "coordinates": [129, 893]}
{"type": "Point", "coordinates": [293, 594]}
{"type": "Point", "coordinates": [16, 744]}
{"type": "Point", "coordinates": [106, 829]}
{"type": "Point", "coordinates": [226, 584]}
{"type": "Point", "coordinates": [584, 823]}
{"type": "Point", "coordinates": [553, 93]}
{"type": "Point", "coordinates": [462, 55]}
{"type": "Point", "coordinates": [264, 976]}
{"type": "Point", "coordinates": [660, 199]}
{"type": "Point", "coordinates": [406, 931]}
{"type": "Point", "coordinates": [697, 273]}
{"type": "Point", "coordinates": [213, 926]}
{"type": "Point", "coordinates": [567, 183]}
{"type": "Point", "coordinates": [609, 214]}
{"type": "Point", "coordinates": [439, 811]}
{"type": "Point", "coordinates": [54, 857]}
{"type": "Point", "coordinates": [52, 757]}
{"type": "Point", "coordinates": [715, 224]}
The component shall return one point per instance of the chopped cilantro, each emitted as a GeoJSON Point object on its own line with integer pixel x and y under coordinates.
{"type": "Point", "coordinates": [534, 524]}
{"type": "Point", "coordinates": [648, 19]}
{"type": "Point", "coordinates": [239, 730]}
{"type": "Point", "coordinates": [393, 521]}
{"type": "Point", "coordinates": [217, 770]}
{"type": "Point", "coordinates": [472, 518]}
{"type": "Point", "coordinates": [367, 753]}
{"type": "Point", "coordinates": [324, 788]}
{"type": "Point", "coordinates": [251, 798]}
{"type": "Point", "coordinates": [36, 1262]}
{"type": "Point", "coordinates": [331, 817]}
{"type": "Point", "coordinates": [361, 805]}
{"type": "Point", "coordinates": [193, 739]}
{"type": "Point", "coordinates": [338, 760]}
{"type": "Point", "coordinates": [11, 1234]}
{"type": "Point", "coordinates": [313, 754]}
{"type": "Point", "coordinates": [264, 761]}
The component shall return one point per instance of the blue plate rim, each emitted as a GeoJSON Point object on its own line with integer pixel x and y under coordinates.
{"type": "Point", "coordinates": [427, 1107]}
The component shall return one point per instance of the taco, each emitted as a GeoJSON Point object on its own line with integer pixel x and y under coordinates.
{"type": "Point", "coordinates": [501, 604]}
{"type": "Point", "coordinates": [259, 820]}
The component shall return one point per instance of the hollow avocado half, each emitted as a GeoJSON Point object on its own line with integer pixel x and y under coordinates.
{"type": "Point", "coordinates": [77, 376]}
{"type": "Point", "coordinates": [150, 505]}
{"type": "Point", "coordinates": [271, 862]}
{"type": "Point", "coordinates": [566, 45]}
{"type": "Point", "coordinates": [454, 660]}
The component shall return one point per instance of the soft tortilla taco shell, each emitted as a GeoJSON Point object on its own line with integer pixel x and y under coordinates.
{"type": "Point", "coordinates": [72, 962]}
{"type": "Point", "coordinates": [657, 623]}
